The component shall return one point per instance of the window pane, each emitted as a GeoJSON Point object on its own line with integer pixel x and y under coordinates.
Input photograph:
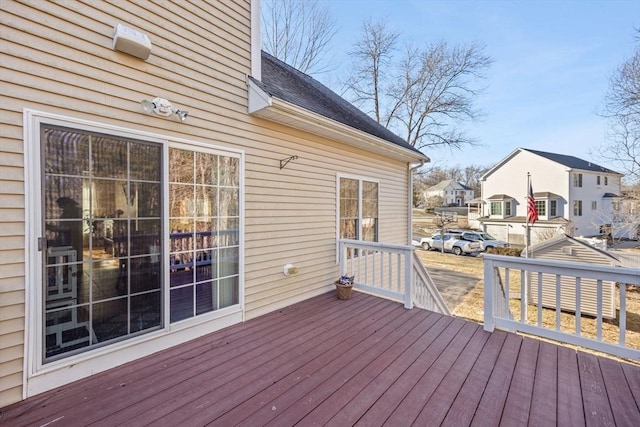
{"type": "Point", "coordinates": [182, 302]}
{"type": "Point", "coordinates": [109, 157]}
{"type": "Point", "coordinates": [206, 201]}
{"type": "Point", "coordinates": [144, 161]}
{"type": "Point", "coordinates": [206, 297]}
{"type": "Point", "coordinates": [206, 168]}
{"type": "Point", "coordinates": [65, 151]}
{"type": "Point", "coordinates": [145, 311]}
{"type": "Point", "coordinates": [181, 166]}
{"type": "Point", "coordinates": [181, 200]}
{"type": "Point", "coordinates": [145, 199]}
{"type": "Point", "coordinates": [229, 172]}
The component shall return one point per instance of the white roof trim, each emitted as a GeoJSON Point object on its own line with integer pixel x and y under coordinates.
{"type": "Point", "coordinates": [263, 105]}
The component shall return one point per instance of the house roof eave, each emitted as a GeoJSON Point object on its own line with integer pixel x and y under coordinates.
{"type": "Point", "coordinates": [268, 107]}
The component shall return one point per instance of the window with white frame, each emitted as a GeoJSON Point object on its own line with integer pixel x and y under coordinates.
{"type": "Point", "coordinates": [606, 180]}
{"type": "Point", "coordinates": [553, 208]}
{"type": "Point", "coordinates": [103, 279]}
{"type": "Point", "coordinates": [496, 208]}
{"type": "Point", "coordinates": [358, 209]}
{"type": "Point", "coordinates": [507, 208]}
{"type": "Point", "coordinates": [541, 206]}
{"type": "Point", "coordinates": [594, 205]}
{"type": "Point", "coordinates": [577, 180]}
{"type": "Point", "coordinates": [577, 207]}
{"type": "Point", "coordinates": [598, 180]}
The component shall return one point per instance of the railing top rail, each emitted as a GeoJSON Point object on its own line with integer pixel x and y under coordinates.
{"type": "Point", "coordinates": [375, 245]}
{"type": "Point", "coordinates": [577, 269]}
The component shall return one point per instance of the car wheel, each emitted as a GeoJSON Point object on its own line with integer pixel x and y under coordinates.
{"type": "Point", "coordinates": [426, 246]}
{"type": "Point", "coordinates": [456, 250]}
{"type": "Point", "coordinates": [488, 247]}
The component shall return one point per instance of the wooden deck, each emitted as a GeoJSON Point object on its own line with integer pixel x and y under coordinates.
{"type": "Point", "coordinates": [366, 361]}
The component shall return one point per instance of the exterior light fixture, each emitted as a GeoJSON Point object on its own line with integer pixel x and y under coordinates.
{"type": "Point", "coordinates": [162, 107]}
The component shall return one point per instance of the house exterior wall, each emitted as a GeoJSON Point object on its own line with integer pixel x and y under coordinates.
{"type": "Point", "coordinates": [510, 178]}
{"type": "Point", "coordinates": [58, 58]}
{"type": "Point", "coordinates": [452, 194]}
{"type": "Point", "coordinates": [566, 250]}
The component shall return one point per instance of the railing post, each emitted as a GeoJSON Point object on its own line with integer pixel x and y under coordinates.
{"type": "Point", "coordinates": [342, 247]}
{"type": "Point", "coordinates": [408, 283]}
{"type": "Point", "coordinates": [489, 321]}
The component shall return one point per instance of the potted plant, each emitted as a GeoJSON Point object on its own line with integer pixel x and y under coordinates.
{"type": "Point", "coordinates": [344, 285]}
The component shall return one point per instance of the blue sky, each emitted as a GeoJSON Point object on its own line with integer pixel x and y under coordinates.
{"type": "Point", "coordinates": [551, 70]}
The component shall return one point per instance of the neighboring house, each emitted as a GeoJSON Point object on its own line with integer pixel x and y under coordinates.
{"type": "Point", "coordinates": [126, 229]}
{"type": "Point", "coordinates": [568, 249]}
{"type": "Point", "coordinates": [573, 196]}
{"type": "Point", "coordinates": [453, 193]}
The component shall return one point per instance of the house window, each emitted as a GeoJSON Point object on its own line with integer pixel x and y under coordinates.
{"type": "Point", "coordinates": [541, 206]}
{"type": "Point", "coordinates": [598, 180]}
{"type": "Point", "coordinates": [507, 208]}
{"type": "Point", "coordinates": [358, 209]}
{"type": "Point", "coordinates": [594, 205]}
{"type": "Point", "coordinates": [204, 232]}
{"type": "Point", "coordinates": [606, 180]}
{"type": "Point", "coordinates": [496, 208]}
{"type": "Point", "coordinates": [103, 202]}
{"type": "Point", "coordinates": [577, 207]}
{"type": "Point", "coordinates": [553, 208]}
{"type": "Point", "coordinates": [577, 180]}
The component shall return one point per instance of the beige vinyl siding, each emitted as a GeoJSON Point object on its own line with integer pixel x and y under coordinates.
{"type": "Point", "coordinates": [57, 58]}
{"type": "Point", "coordinates": [588, 304]}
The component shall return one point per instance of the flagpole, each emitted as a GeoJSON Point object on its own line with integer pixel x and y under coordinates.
{"type": "Point", "coordinates": [528, 231]}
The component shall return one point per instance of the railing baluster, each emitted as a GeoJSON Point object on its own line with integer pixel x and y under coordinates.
{"type": "Point", "coordinates": [523, 296]}
{"type": "Point", "coordinates": [558, 305]}
{"type": "Point", "coordinates": [578, 306]}
{"type": "Point", "coordinates": [599, 309]}
{"type": "Point", "coordinates": [623, 313]}
{"type": "Point", "coordinates": [539, 299]}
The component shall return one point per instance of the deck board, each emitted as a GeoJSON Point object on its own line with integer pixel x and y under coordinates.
{"type": "Point", "coordinates": [625, 411]}
{"type": "Point", "coordinates": [365, 361]}
{"type": "Point", "coordinates": [570, 408]}
{"type": "Point", "coordinates": [544, 399]}
{"type": "Point", "coordinates": [597, 408]}
{"type": "Point", "coordinates": [461, 411]}
{"type": "Point", "coordinates": [495, 394]}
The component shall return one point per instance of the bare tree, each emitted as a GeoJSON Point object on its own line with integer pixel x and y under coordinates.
{"type": "Point", "coordinates": [430, 91]}
{"type": "Point", "coordinates": [435, 93]}
{"type": "Point", "coordinates": [373, 53]}
{"type": "Point", "coordinates": [298, 32]}
{"type": "Point", "coordinates": [622, 107]}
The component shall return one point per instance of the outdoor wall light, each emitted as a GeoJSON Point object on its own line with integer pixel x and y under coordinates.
{"type": "Point", "coordinates": [162, 107]}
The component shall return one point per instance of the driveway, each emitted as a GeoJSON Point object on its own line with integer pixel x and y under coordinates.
{"type": "Point", "coordinates": [453, 286]}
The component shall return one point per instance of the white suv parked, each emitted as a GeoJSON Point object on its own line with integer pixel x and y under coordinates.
{"type": "Point", "coordinates": [486, 240]}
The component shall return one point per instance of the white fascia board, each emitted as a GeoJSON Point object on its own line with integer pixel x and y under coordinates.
{"type": "Point", "coordinates": [264, 105]}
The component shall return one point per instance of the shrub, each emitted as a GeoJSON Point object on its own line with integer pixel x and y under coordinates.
{"type": "Point", "coordinates": [505, 251]}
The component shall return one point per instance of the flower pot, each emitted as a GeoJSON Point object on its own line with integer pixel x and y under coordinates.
{"type": "Point", "coordinates": [344, 291]}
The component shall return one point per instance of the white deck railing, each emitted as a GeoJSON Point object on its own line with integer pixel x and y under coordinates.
{"type": "Point", "coordinates": [511, 278]}
{"type": "Point", "coordinates": [390, 271]}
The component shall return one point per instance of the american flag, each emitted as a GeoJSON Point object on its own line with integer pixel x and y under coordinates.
{"type": "Point", "coordinates": [532, 211]}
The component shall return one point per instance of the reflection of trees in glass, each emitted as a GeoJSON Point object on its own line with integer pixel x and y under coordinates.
{"type": "Point", "coordinates": [65, 150]}
{"type": "Point", "coordinates": [206, 168]}
{"type": "Point", "coordinates": [109, 157]}
{"type": "Point", "coordinates": [348, 208]}
{"type": "Point", "coordinates": [180, 165]}
{"type": "Point", "coordinates": [370, 211]}
{"type": "Point", "coordinates": [358, 201]}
